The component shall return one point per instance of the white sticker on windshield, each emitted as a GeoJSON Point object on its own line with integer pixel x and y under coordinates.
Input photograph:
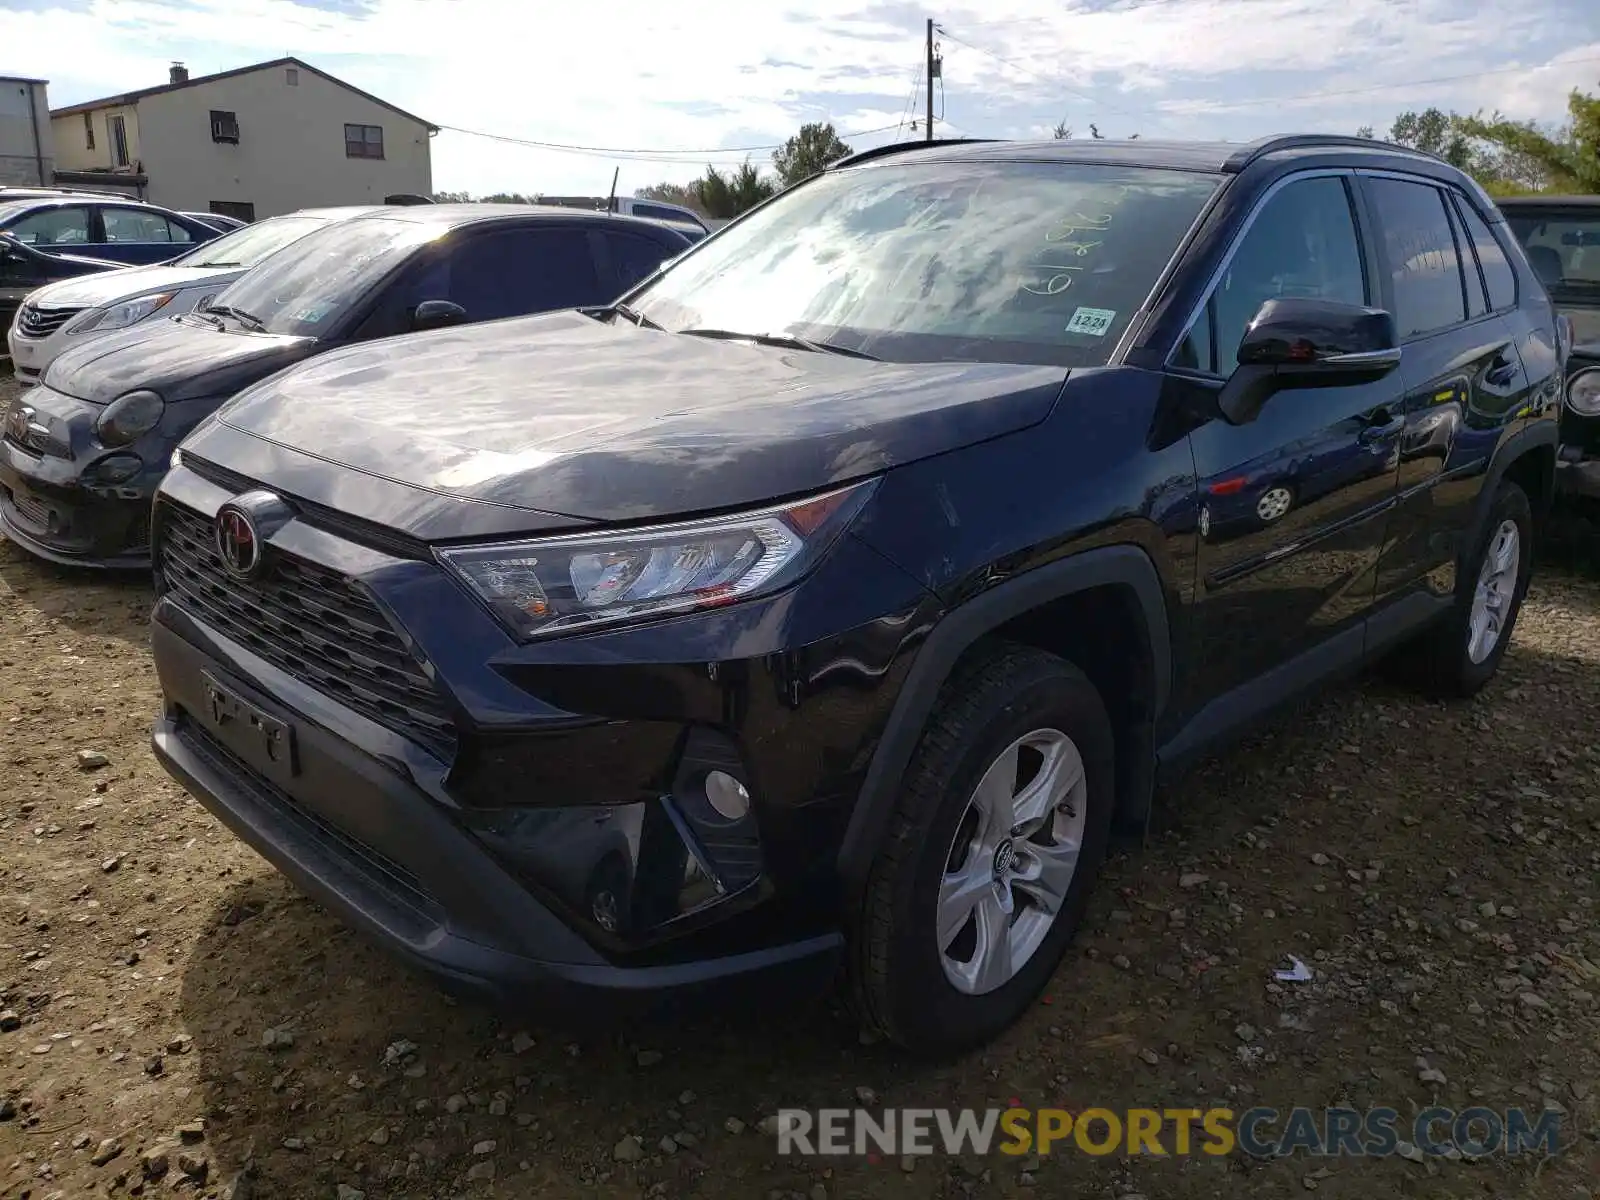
{"type": "Point", "coordinates": [1093, 321]}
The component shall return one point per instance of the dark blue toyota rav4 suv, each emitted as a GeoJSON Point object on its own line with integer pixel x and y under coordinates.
{"type": "Point", "coordinates": [828, 600]}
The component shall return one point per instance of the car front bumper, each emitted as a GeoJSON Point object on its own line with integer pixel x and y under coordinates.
{"type": "Point", "coordinates": [47, 510]}
{"type": "Point", "coordinates": [387, 858]}
{"type": "Point", "coordinates": [1578, 475]}
{"type": "Point", "coordinates": [30, 356]}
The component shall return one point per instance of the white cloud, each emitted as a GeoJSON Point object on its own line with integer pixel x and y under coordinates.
{"type": "Point", "coordinates": [717, 73]}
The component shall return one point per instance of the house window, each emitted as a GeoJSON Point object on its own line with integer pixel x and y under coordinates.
{"type": "Point", "coordinates": [363, 141]}
{"type": "Point", "coordinates": [119, 140]}
{"type": "Point", "coordinates": [291, 76]}
{"type": "Point", "coordinates": [224, 126]}
{"type": "Point", "coordinates": [242, 209]}
{"type": "Point", "coordinates": [88, 131]}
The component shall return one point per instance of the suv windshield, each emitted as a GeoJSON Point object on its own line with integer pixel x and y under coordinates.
{"type": "Point", "coordinates": [914, 262]}
{"type": "Point", "coordinates": [1563, 249]}
{"type": "Point", "coordinates": [305, 289]}
{"type": "Point", "coordinates": [247, 246]}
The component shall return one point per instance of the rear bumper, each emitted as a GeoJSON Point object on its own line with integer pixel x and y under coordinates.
{"type": "Point", "coordinates": [372, 845]}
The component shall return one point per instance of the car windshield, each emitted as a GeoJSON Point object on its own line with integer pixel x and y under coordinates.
{"type": "Point", "coordinates": [913, 262]}
{"type": "Point", "coordinates": [247, 246]}
{"type": "Point", "coordinates": [304, 290]}
{"type": "Point", "coordinates": [1564, 251]}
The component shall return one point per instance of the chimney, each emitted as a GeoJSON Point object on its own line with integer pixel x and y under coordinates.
{"type": "Point", "coordinates": [179, 73]}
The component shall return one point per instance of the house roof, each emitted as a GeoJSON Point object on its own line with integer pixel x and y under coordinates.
{"type": "Point", "coordinates": [21, 79]}
{"type": "Point", "coordinates": [196, 81]}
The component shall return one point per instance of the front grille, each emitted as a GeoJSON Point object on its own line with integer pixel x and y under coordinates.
{"type": "Point", "coordinates": [316, 624]}
{"type": "Point", "coordinates": [36, 321]}
{"type": "Point", "coordinates": [32, 508]}
{"type": "Point", "coordinates": [377, 868]}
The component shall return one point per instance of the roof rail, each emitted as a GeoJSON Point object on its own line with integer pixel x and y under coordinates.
{"type": "Point", "coordinates": [862, 156]}
{"type": "Point", "coordinates": [1247, 154]}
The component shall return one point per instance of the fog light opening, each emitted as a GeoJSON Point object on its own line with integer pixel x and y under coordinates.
{"type": "Point", "coordinates": [727, 796]}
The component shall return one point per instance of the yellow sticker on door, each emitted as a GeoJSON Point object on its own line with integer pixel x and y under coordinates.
{"type": "Point", "coordinates": [1092, 321]}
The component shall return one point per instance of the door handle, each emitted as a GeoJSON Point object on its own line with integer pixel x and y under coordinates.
{"type": "Point", "coordinates": [1502, 371]}
{"type": "Point", "coordinates": [1378, 426]}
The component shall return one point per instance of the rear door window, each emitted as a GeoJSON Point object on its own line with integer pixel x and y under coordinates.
{"type": "Point", "coordinates": [513, 272]}
{"type": "Point", "coordinates": [140, 225]}
{"type": "Point", "coordinates": [635, 258]}
{"type": "Point", "coordinates": [1498, 276]}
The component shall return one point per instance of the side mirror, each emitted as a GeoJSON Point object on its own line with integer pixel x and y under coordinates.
{"type": "Point", "coordinates": [437, 314]}
{"type": "Point", "coordinates": [1303, 343]}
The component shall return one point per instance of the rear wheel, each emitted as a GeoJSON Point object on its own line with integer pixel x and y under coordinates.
{"type": "Point", "coordinates": [997, 836]}
{"type": "Point", "coordinates": [1461, 653]}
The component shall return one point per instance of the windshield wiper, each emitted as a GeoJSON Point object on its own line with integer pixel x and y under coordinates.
{"type": "Point", "coordinates": [220, 264]}
{"type": "Point", "coordinates": [781, 339]}
{"type": "Point", "coordinates": [248, 320]}
{"type": "Point", "coordinates": [634, 315]}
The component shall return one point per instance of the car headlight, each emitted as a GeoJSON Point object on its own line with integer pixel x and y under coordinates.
{"type": "Point", "coordinates": [120, 316]}
{"type": "Point", "coordinates": [1583, 392]}
{"type": "Point", "coordinates": [570, 583]}
{"type": "Point", "coordinates": [129, 417]}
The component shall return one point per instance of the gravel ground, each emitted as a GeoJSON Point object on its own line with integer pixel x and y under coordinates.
{"type": "Point", "coordinates": [174, 1010]}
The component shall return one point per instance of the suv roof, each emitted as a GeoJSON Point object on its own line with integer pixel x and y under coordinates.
{"type": "Point", "coordinates": [1222, 157]}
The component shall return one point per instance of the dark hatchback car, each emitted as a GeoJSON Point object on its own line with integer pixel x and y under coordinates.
{"type": "Point", "coordinates": [828, 599]}
{"type": "Point", "coordinates": [1561, 236]}
{"type": "Point", "coordinates": [24, 270]}
{"type": "Point", "coordinates": [83, 452]}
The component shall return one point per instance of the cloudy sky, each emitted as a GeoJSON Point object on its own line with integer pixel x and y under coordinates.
{"type": "Point", "coordinates": [673, 82]}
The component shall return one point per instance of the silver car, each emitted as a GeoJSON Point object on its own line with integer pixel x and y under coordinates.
{"type": "Point", "coordinates": [70, 311]}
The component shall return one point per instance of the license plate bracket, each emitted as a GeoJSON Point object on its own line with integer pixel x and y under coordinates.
{"type": "Point", "coordinates": [264, 741]}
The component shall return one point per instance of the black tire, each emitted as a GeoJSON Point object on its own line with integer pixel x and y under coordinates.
{"type": "Point", "coordinates": [1438, 662]}
{"type": "Point", "coordinates": [898, 979]}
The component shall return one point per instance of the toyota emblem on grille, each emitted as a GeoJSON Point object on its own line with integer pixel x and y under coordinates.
{"type": "Point", "coordinates": [238, 542]}
{"type": "Point", "coordinates": [17, 422]}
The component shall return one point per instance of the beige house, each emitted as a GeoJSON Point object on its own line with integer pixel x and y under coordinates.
{"type": "Point", "coordinates": [26, 157]}
{"type": "Point", "coordinates": [253, 142]}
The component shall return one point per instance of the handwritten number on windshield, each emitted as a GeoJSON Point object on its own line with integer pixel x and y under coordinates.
{"type": "Point", "coordinates": [1063, 239]}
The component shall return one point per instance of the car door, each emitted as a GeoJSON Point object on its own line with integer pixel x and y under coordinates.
{"type": "Point", "coordinates": [1293, 504]}
{"type": "Point", "coordinates": [1464, 377]}
{"type": "Point", "coordinates": [137, 235]}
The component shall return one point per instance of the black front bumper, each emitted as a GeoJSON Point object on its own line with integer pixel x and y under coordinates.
{"type": "Point", "coordinates": [46, 509]}
{"type": "Point", "coordinates": [367, 839]}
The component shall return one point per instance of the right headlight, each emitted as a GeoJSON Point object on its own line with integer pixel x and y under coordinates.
{"type": "Point", "coordinates": [565, 584]}
{"type": "Point", "coordinates": [129, 417]}
{"type": "Point", "coordinates": [1583, 392]}
{"type": "Point", "coordinates": [121, 315]}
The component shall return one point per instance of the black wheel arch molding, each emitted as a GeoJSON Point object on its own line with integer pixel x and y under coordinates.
{"type": "Point", "coordinates": [1125, 565]}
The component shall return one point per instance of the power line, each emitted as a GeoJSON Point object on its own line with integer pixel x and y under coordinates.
{"type": "Point", "coordinates": [639, 155]}
{"type": "Point", "coordinates": [1047, 78]}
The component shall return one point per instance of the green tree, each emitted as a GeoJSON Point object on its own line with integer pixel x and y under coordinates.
{"type": "Point", "coordinates": [453, 197]}
{"type": "Point", "coordinates": [726, 196]}
{"type": "Point", "coordinates": [1568, 157]}
{"type": "Point", "coordinates": [684, 194]}
{"type": "Point", "coordinates": [1061, 132]}
{"type": "Point", "coordinates": [808, 152]}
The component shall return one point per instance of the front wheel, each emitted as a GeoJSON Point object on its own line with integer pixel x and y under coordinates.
{"type": "Point", "coordinates": [997, 837]}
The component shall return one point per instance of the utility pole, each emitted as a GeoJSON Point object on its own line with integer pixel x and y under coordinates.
{"type": "Point", "coordinates": [932, 66]}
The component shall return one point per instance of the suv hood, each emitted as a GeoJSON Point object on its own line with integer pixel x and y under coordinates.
{"type": "Point", "coordinates": [605, 421]}
{"type": "Point", "coordinates": [182, 359]}
{"type": "Point", "coordinates": [112, 287]}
